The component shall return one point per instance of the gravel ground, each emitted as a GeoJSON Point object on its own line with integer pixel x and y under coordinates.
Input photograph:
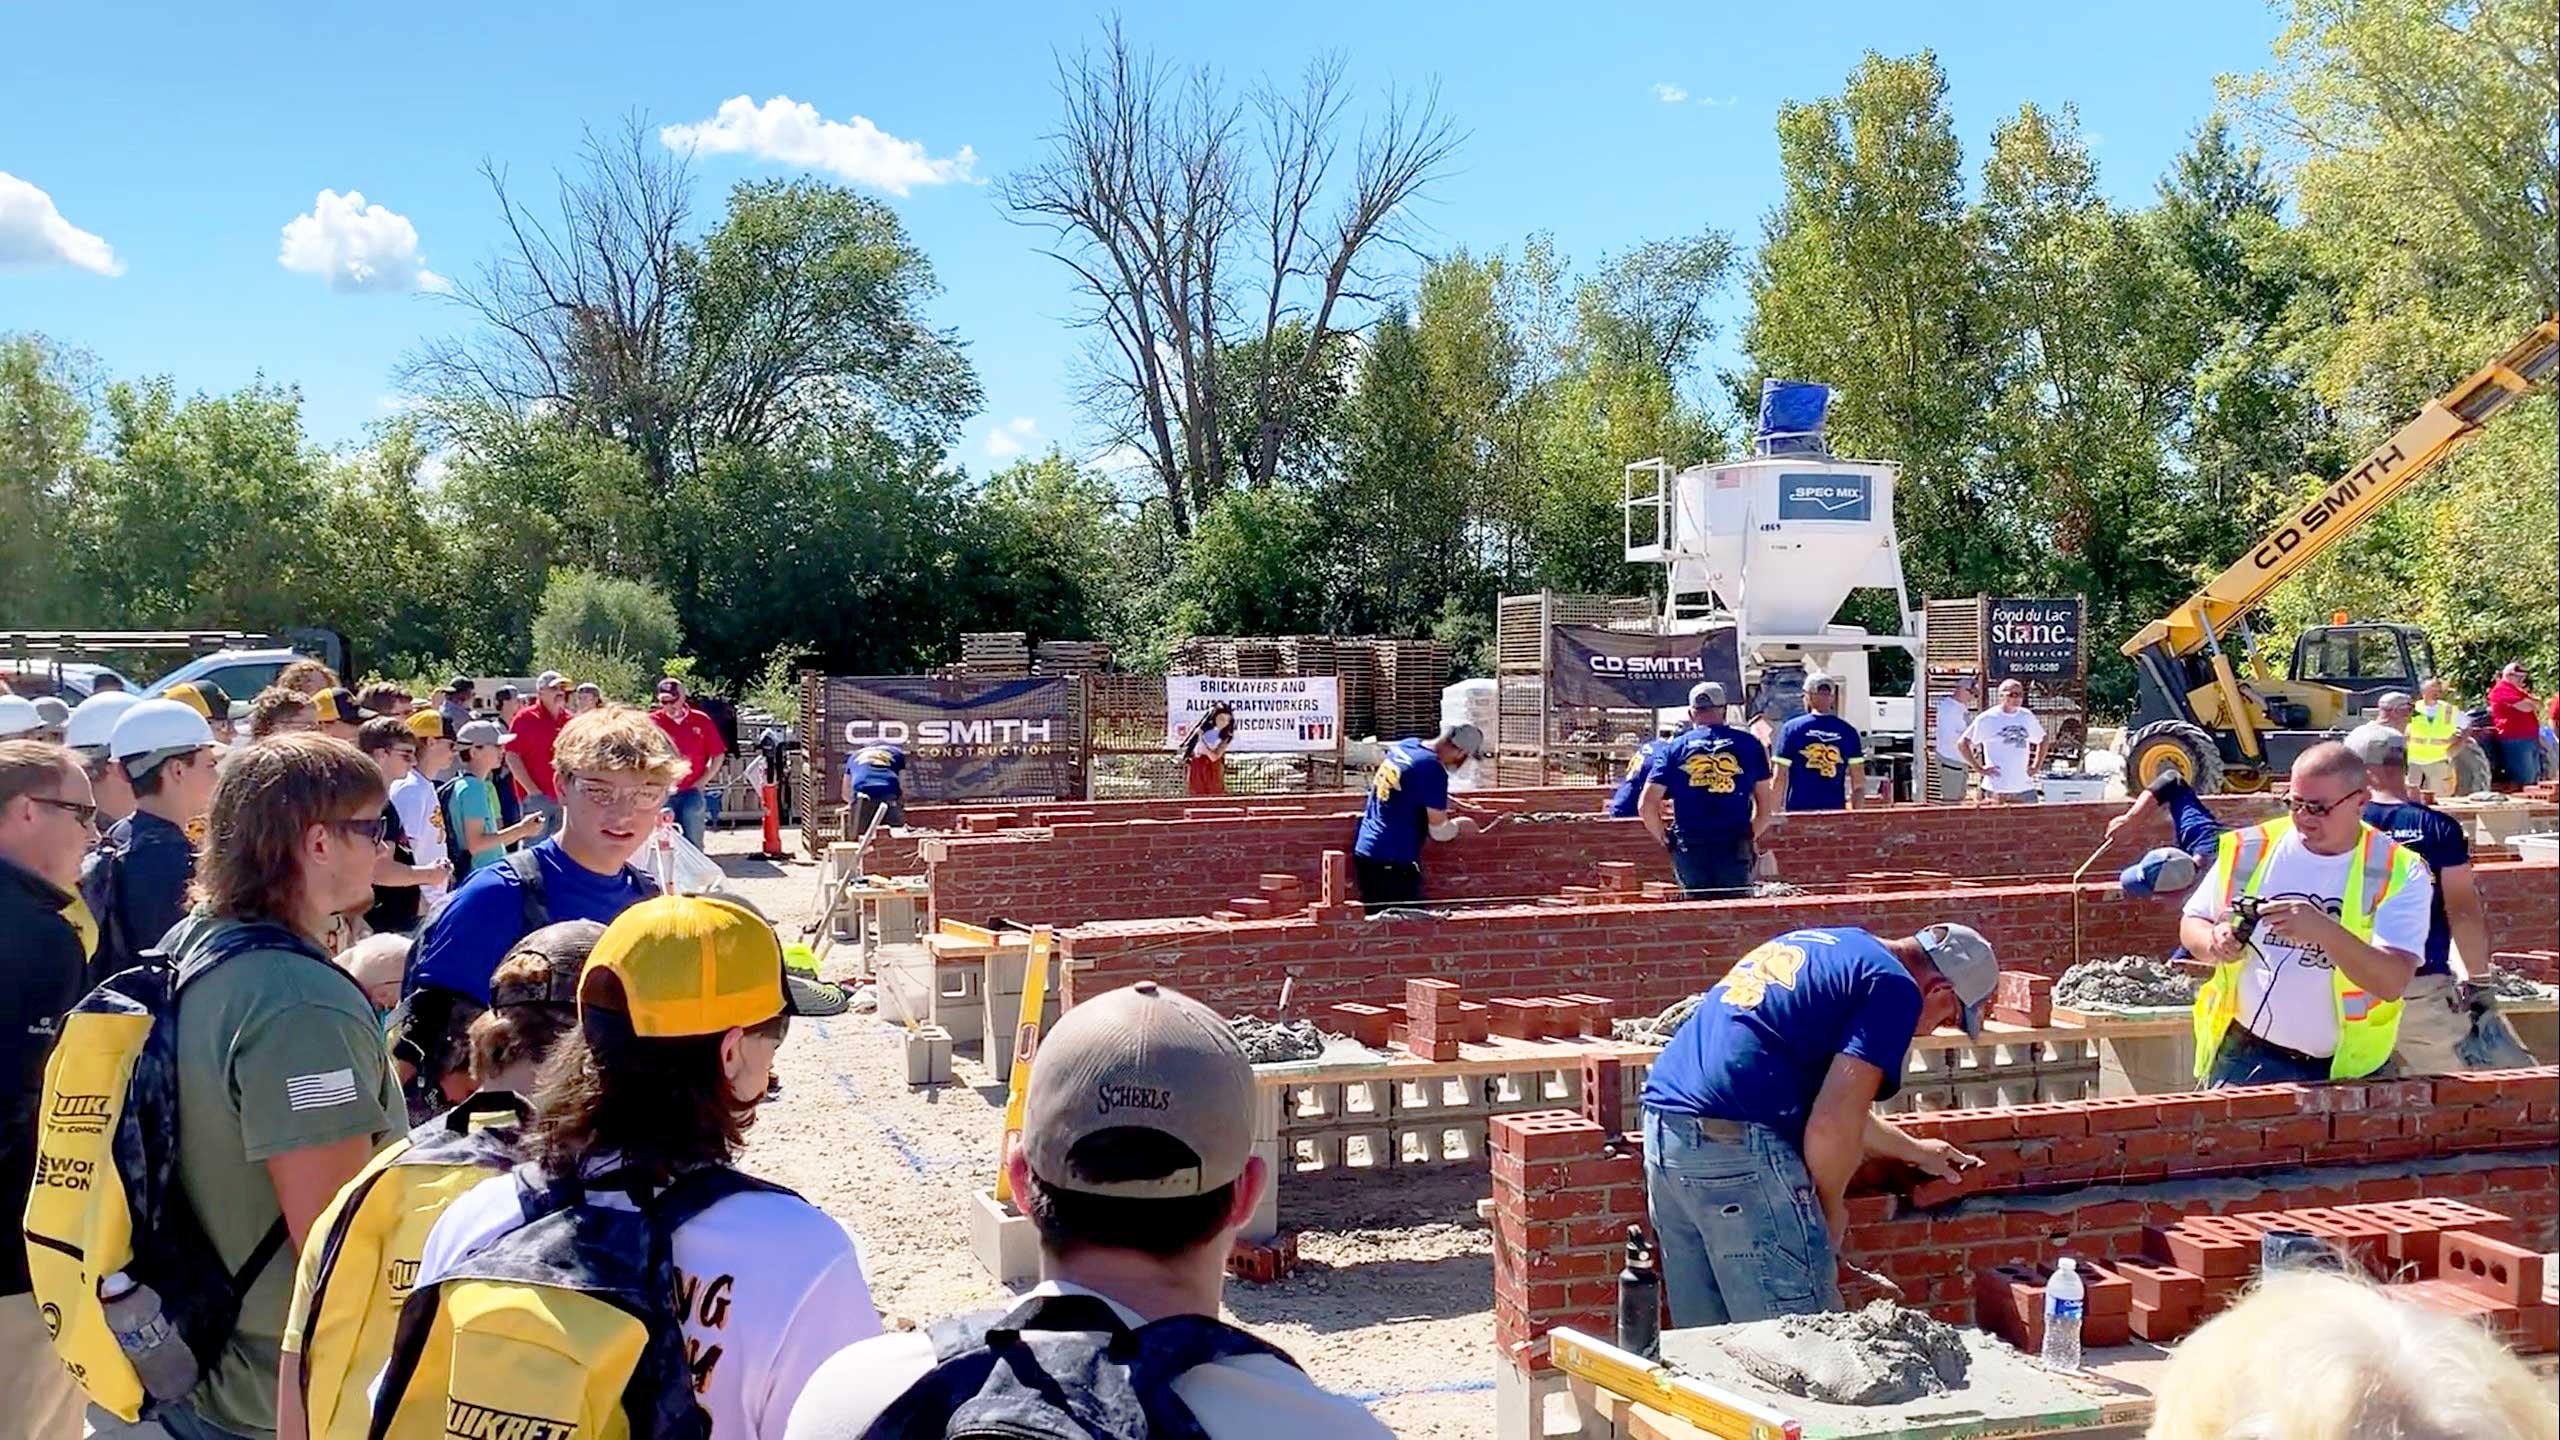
{"type": "Point", "coordinates": [1393, 1299]}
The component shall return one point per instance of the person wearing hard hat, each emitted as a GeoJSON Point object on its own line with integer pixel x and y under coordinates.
{"type": "Point", "coordinates": [136, 883]}
{"type": "Point", "coordinates": [19, 718]}
{"type": "Point", "coordinates": [208, 700]}
{"type": "Point", "coordinates": [1763, 1104]}
{"type": "Point", "coordinates": [91, 736]}
{"type": "Point", "coordinates": [52, 718]}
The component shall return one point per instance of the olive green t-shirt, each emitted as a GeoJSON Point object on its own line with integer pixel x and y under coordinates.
{"type": "Point", "coordinates": [276, 1052]}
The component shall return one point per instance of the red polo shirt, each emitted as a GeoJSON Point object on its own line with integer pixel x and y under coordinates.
{"type": "Point", "coordinates": [696, 739]}
{"type": "Point", "coordinates": [2510, 714]}
{"type": "Point", "coordinates": [531, 737]}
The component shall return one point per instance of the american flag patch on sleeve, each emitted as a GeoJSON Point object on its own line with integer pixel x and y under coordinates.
{"type": "Point", "coordinates": [319, 1092]}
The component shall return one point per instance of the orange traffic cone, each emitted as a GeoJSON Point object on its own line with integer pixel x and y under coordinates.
{"type": "Point", "coordinates": [772, 825]}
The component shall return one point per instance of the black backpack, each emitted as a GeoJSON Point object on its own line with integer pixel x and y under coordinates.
{"type": "Point", "coordinates": [1062, 1367]}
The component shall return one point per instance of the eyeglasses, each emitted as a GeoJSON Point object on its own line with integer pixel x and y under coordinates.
{"type": "Point", "coordinates": [370, 828]}
{"type": "Point", "coordinates": [2314, 809]}
{"type": "Point", "coordinates": [407, 753]}
{"type": "Point", "coordinates": [619, 797]}
{"type": "Point", "coordinates": [85, 813]}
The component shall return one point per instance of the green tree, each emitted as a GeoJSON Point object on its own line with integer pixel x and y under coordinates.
{"type": "Point", "coordinates": [1399, 551]}
{"type": "Point", "coordinates": [589, 614]}
{"type": "Point", "coordinates": [45, 461]}
{"type": "Point", "coordinates": [1868, 277]}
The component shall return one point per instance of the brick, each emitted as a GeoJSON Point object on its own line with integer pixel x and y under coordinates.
{"type": "Point", "coordinates": [2159, 1324]}
{"type": "Point", "coordinates": [2162, 1287]}
{"type": "Point", "coordinates": [2493, 1267]}
{"type": "Point", "coordinates": [1474, 1022]}
{"type": "Point", "coordinates": [1279, 885]}
{"type": "Point", "coordinates": [1429, 997]}
{"type": "Point", "coordinates": [1517, 1018]}
{"type": "Point", "coordinates": [2024, 998]}
{"type": "Point", "coordinates": [2200, 1252]}
{"type": "Point", "coordinates": [1545, 1135]}
{"type": "Point", "coordinates": [2261, 1102]}
{"type": "Point", "coordinates": [1364, 1023]}
{"type": "Point", "coordinates": [2033, 1121]}
{"type": "Point", "coordinates": [1595, 1013]}
{"type": "Point", "coordinates": [1604, 1088]}
{"type": "Point", "coordinates": [1263, 1263]}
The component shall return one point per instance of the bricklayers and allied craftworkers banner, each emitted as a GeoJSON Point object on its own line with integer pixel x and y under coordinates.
{"type": "Point", "coordinates": [966, 739]}
{"type": "Point", "coordinates": [1592, 665]}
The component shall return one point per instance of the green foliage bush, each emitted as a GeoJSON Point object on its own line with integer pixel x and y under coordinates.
{"type": "Point", "coordinates": [584, 613]}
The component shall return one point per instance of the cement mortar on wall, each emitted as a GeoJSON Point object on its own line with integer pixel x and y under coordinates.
{"type": "Point", "coordinates": [1997, 1384]}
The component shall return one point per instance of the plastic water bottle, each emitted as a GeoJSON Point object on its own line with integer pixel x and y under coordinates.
{"type": "Point", "coordinates": [161, 1359]}
{"type": "Point", "coordinates": [662, 853]}
{"type": "Point", "coordinates": [2065, 1299]}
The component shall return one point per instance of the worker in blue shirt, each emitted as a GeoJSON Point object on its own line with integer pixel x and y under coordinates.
{"type": "Point", "coordinates": [1763, 1105]}
{"type": "Point", "coordinates": [2168, 872]}
{"type": "Point", "coordinates": [1823, 755]}
{"type": "Point", "coordinates": [1409, 800]}
{"type": "Point", "coordinates": [1709, 798]}
{"type": "Point", "coordinates": [872, 781]}
{"type": "Point", "coordinates": [1623, 800]}
{"type": "Point", "coordinates": [2435, 1011]}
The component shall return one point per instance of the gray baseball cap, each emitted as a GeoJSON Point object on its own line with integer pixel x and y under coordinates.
{"type": "Point", "coordinates": [1465, 737]}
{"type": "Point", "coordinates": [1965, 958]}
{"type": "Point", "coordinates": [1706, 695]}
{"type": "Point", "coordinates": [2378, 745]}
{"type": "Point", "coordinates": [1144, 1057]}
{"type": "Point", "coordinates": [481, 732]}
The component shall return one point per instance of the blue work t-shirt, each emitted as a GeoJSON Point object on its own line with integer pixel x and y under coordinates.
{"type": "Point", "coordinates": [1757, 1048]}
{"type": "Point", "coordinates": [2438, 839]}
{"type": "Point", "coordinates": [1622, 801]}
{"type": "Point", "coordinates": [1709, 775]}
{"type": "Point", "coordinates": [1409, 784]}
{"type": "Point", "coordinates": [1817, 749]}
{"type": "Point", "coordinates": [483, 918]}
{"type": "Point", "coordinates": [873, 770]}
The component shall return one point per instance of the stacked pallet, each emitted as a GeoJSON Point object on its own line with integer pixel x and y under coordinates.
{"type": "Point", "coordinates": [1307, 655]}
{"type": "Point", "coordinates": [996, 654]}
{"type": "Point", "coordinates": [1071, 657]}
{"type": "Point", "coordinates": [1257, 659]}
{"type": "Point", "coordinates": [1353, 668]}
{"type": "Point", "coordinates": [1407, 676]}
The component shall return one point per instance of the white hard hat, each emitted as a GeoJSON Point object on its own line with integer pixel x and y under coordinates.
{"type": "Point", "coordinates": [93, 721]}
{"type": "Point", "coordinates": [19, 716]}
{"type": "Point", "coordinates": [154, 730]}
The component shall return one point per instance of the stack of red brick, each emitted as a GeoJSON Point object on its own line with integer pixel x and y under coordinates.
{"type": "Point", "coordinates": [1436, 1018]}
{"type": "Point", "coordinates": [1277, 895]}
{"type": "Point", "coordinates": [2444, 1253]}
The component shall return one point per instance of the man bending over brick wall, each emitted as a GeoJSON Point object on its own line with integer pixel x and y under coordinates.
{"type": "Point", "coordinates": [1762, 1106]}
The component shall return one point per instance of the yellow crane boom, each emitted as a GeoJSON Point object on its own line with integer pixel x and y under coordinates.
{"type": "Point", "coordinates": [2449, 421]}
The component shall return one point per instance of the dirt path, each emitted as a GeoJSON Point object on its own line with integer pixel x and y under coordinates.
{"type": "Point", "coordinates": [1392, 1303]}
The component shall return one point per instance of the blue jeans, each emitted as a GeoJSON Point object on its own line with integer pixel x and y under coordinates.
{"type": "Point", "coordinates": [1707, 875]}
{"type": "Point", "coordinates": [692, 808]}
{"type": "Point", "coordinates": [2243, 1059]}
{"type": "Point", "coordinates": [2520, 761]}
{"type": "Point", "coordinates": [1737, 1222]}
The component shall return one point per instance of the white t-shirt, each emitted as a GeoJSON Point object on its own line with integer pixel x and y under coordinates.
{"type": "Point", "coordinates": [413, 796]}
{"type": "Point", "coordinates": [1952, 717]}
{"type": "Point", "coordinates": [2008, 739]}
{"type": "Point", "coordinates": [2303, 1015]}
{"type": "Point", "coordinates": [1248, 1397]}
{"type": "Point", "coordinates": [772, 1286]}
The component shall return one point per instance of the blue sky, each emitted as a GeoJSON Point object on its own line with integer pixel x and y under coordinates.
{"type": "Point", "coordinates": [194, 142]}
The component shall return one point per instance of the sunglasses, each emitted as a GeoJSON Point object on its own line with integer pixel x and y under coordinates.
{"type": "Point", "coordinates": [777, 1029]}
{"type": "Point", "coordinates": [370, 828]}
{"type": "Point", "coordinates": [81, 811]}
{"type": "Point", "coordinates": [2314, 809]}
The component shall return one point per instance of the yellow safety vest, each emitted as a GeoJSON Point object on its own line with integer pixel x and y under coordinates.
{"type": "Point", "coordinates": [2367, 1027]}
{"type": "Point", "coordinates": [2431, 730]}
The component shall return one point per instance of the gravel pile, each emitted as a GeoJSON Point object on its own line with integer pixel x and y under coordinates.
{"type": "Point", "coordinates": [1658, 1029]}
{"type": "Point", "coordinates": [1881, 1355]}
{"type": "Point", "coordinates": [2128, 982]}
{"type": "Point", "coordinates": [1272, 1042]}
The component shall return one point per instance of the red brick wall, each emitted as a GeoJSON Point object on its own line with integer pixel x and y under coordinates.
{"type": "Point", "coordinates": [1644, 956]}
{"type": "Point", "coordinates": [1565, 1191]}
{"type": "Point", "coordinates": [1071, 873]}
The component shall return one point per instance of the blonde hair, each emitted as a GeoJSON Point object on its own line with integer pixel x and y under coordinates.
{"type": "Point", "coordinates": [2355, 1364]}
{"type": "Point", "coordinates": [616, 739]}
{"type": "Point", "coordinates": [308, 676]}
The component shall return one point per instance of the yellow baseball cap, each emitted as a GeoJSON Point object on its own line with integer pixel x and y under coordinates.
{"type": "Point", "coordinates": [691, 965]}
{"type": "Point", "coordinates": [425, 724]}
{"type": "Point", "coordinates": [192, 698]}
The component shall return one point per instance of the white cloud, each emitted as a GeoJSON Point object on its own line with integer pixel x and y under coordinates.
{"type": "Point", "coordinates": [33, 233]}
{"type": "Point", "coordinates": [1669, 94]}
{"type": "Point", "coordinates": [1715, 104]}
{"type": "Point", "coordinates": [794, 133]}
{"type": "Point", "coordinates": [357, 248]}
{"type": "Point", "coordinates": [1012, 437]}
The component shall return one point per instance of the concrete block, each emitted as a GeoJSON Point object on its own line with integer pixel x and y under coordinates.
{"type": "Point", "coordinates": [1003, 1240]}
{"type": "Point", "coordinates": [928, 1056]}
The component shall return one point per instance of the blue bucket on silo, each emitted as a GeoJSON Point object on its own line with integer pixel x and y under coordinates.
{"type": "Point", "coordinates": [1791, 416]}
